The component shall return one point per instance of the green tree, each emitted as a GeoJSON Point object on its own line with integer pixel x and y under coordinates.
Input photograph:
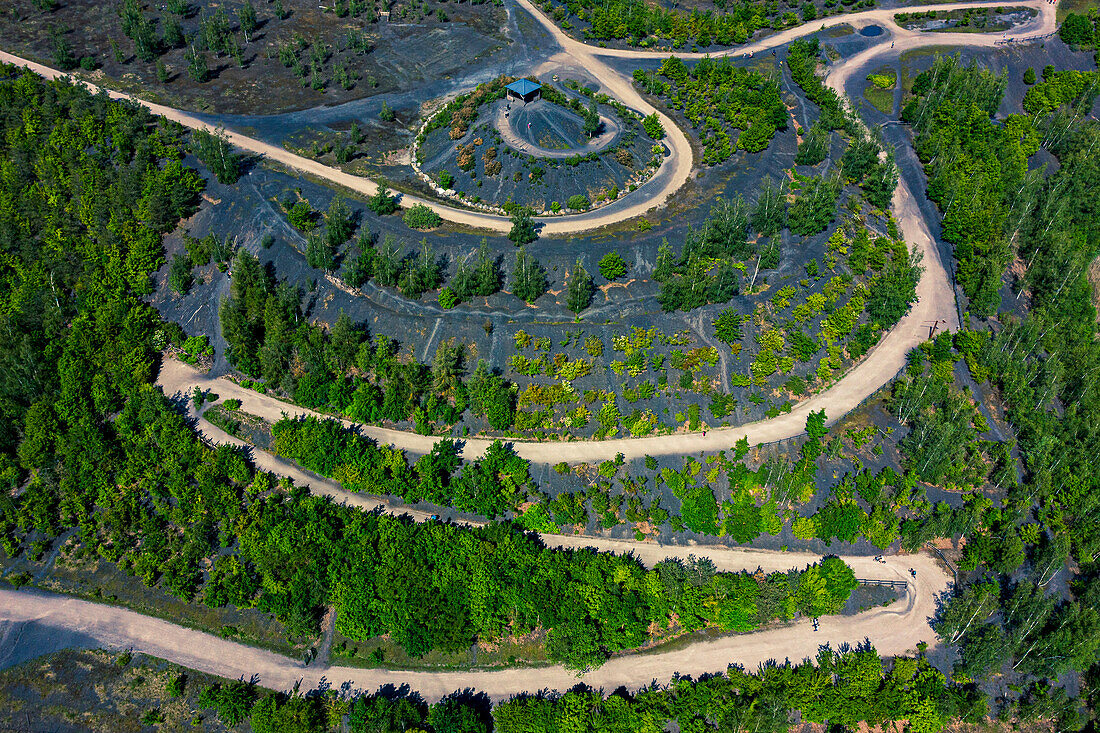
{"type": "Point", "coordinates": [814, 147]}
{"type": "Point", "coordinates": [612, 266]}
{"type": "Point", "coordinates": [769, 216]}
{"type": "Point", "coordinates": [197, 67]}
{"type": "Point", "coordinates": [424, 274]}
{"type": "Point", "coordinates": [492, 397]}
{"type": "Point", "coordinates": [320, 254]}
{"type": "Point", "coordinates": [232, 700]}
{"type": "Point", "coordinates": [382, 203]}
{"type": "Point", "coordinates": [483, 277]}
{"type": "Point", "coordinates": [302, 216]}
{"type": "Point", "coordinates": [246, 16]}
{"type": "Point", "coordinates": [523, 230]}
{"type": "Point", "coordinates": [340, 222]}
{"type": "Point", "coordinates": [460, 713]}
{"type": "Point", "coordinates": [173, 36]}
{"type": "Point", "coordinates": [592, 123]}
{"type": "Point", "coordinates": [62, 51]}
{"type": "Point", "coordinates": [967, 610]}
{"type": "Point", "coordinates": [180, 278]}
{"type": "Point", "coordinates": [580, 288]}
{"type": "Point", "coordinates": [216, 152]}
{"type": "Point", "coordinates": [727, 326]}
{"type": "Point", "coordinates": [528, 277]}
{"type": "Point", "coordinates": [277, 713]}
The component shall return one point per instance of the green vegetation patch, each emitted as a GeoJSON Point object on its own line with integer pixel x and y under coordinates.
{"type": "Point", "coordinates": [880, 91]}
{"type": "Point", "coordinates": [717, 97]}
{"type": "Point", "coordinates": [965, 20]}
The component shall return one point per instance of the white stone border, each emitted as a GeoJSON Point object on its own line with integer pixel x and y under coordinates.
{"type": "Point", "coordinates": [449, 193]}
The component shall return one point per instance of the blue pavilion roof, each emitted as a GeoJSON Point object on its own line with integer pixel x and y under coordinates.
{"type": "Point", "coordinates": [523, 87]}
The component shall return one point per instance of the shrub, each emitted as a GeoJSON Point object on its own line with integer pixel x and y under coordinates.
{"type": "Point", "coordinates": [578, 202]}
{"type": "Point", "coordinates": [447, 299]}
{"type": "Point", "coordinates": [612, 266]}
{"type": "Point", "coordinates": [18, 580]}
{"type": "Point", "coordinates": [804, 528]}
{"type": "Point", "coordinates": [882, 81]}
{"type": "Point", "coordinates": [796, 385]}
{"type": "Point", "coordinates": [653, 127]}
{"type": "Point", "coordinates": [382, 203]}
{"type": "Point", "coordinates": [421, 217]}
{"type": "Point", "coordinates": [177, 685]}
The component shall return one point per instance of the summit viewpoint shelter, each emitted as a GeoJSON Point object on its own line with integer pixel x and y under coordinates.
{"type": "Point", "coordinates": [524, 90]}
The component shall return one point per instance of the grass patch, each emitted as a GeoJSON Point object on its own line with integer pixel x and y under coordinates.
{"type": "Point", "coordinates": [966, 20]}
{"type": "Point", "coordinates": [880, 89]}
{"type": "Point", "coordinates": [1080, 7]}
{"type": "Point", "coordinates": [912, 64]}
{"type": "Point", "coordinates": [250, 428]}
{"type": "Point", "coordinates": [383, 652]}
{"type": "Point", "coordinates": [94, 690]}
{"type": "Point", "coordinates": [839, 31]}
{"type": "Point", "coordinates": [96, 579]}
{"type": "Point", "coordinates": [881, 99]}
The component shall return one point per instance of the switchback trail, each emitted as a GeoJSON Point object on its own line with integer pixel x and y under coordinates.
{"type": "Point", "coordinates": [893, 630]}
{"type": "Point", "coordinates": [935, 295]}
{"type": "Point", "coordinates": [672, 175]}
{"type": "Point", "coordinates": [1045, 22]}
{"type": "Point", "coordinates": [676, 169]}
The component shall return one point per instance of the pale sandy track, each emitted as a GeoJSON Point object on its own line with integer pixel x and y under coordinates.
{"type": "Point", "coordinates": [893, 630]}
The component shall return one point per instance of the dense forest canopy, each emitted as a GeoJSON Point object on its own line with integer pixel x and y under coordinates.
{"type": "Point", "coordinates": [641, 23]}
{"type": "Point", "coordinates": [89, 448]}
{"type": "Point", "coordinates": [107, 453]}
{"type": "Point", "coordinates": [717, 97]}
{"type": "Point", "coordinates": [837, 688]}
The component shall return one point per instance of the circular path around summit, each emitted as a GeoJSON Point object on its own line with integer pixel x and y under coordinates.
{"type": "Point", "coordinates": [512, 118]}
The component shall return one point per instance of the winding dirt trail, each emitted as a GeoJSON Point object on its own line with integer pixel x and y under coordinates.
{"type": "Point", "coordinates": [895, 629]}
{"type": "Point", "coordinates": [674, 172]}
{"type": "Point", "coordinates": [935, 295]}
{"type": "Point", "coordinates": [676, 169]}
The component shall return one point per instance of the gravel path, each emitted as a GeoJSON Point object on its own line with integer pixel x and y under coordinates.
{"type": "Point", "coordinates": [680, 157]}
{"type": "Point", "coordinates": [503, 124]}
{"type": "Point", "coordinates": [893, 629]}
